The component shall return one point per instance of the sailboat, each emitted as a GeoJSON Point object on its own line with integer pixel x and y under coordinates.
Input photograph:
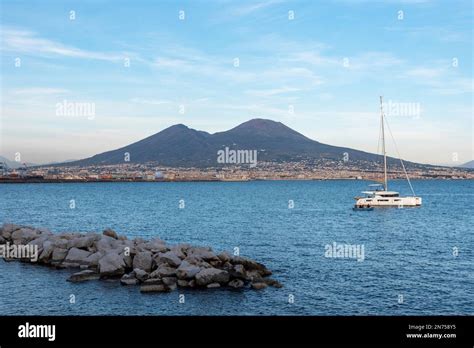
{"type": "Point", "coordinates": [378, 194]}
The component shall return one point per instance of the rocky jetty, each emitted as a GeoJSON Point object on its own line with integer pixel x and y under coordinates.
{"type": "Point", "coordinates": [153, 265]}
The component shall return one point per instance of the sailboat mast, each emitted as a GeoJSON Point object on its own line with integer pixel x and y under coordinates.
{"type": "Point", "coordinates": [383, 146]}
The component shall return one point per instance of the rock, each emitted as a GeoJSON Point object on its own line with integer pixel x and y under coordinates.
{"type": "Point", "coordinates": [178, 250]}
{"type": "Point", "coordinates": [2, 240]}
{"type": "Point", "coordinates": [163, 271]}
{"type": "Point", "coordinates": [236, 284]}
{"type": "Point", "coordinates": [153, 281]}
{"type": "Point", "coordinates": [82, 242]}
{"type": "Point", "coordinates": [110, 233]}
{"type": "Point", "coordinates": [238, 272]}
{"type": "Point", "coordinates": [203, 253]}
{"type": "Point", "coordinates": [224, 257]}
{"type": "Point", "coordinates": [250, 265]}
{"type": "Point", "coordinates": [112, 264]}
{"type": "Point", "coordinates": [197, 261]}
{"type": "Point", "coordinates": [129, 279]}
{"type": "Point", "coordinates": [187, 270]}
{"type": "Point", "coordinates": [170, 258]}
{"type": "Point", "coordinates": [169, 281]}
{"type": "Point", "coordinates": [83, 276]}
{"type": "Point", "coordinates": [78, 256]}
{"type": "Point", "coordinates": [59, 255]}
{"type": "Point", "coordinates": [254, 276]}
{"type": "Point", "coordinates": [155, 245]}
{"type": "Point", "coordinates": [213, 285]}
{"type": "Point", "coordinates": [45, 255]}
{"type": "Point", "coordinates": [60, 243]}
{"type": "Point", "coordinates": [259, 286]}
{"type": "Point", "coordinates": [153, 288]}
{"type": "Point", "coordinates": [140, 274]}
{"type": "Point", "coordinates": [23, 235]}
{"type": "Point", "coordinates": [183, 283]}
{"type": "Point", "coordinates": [93, 259]}
{"type": "Point", "coordinates": [211, 275]}
{"type": "Point", "coordinates": [272, 282]}
{"type": "Point", "coordinates": [8, 229]}
{"type": "Point", "coordinates": [106, 244]}
{"type": "Point", "coordinates": [143, 260]}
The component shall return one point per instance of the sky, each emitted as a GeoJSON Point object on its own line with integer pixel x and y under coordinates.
{"type": "Point", "coordinates": [83, 77]}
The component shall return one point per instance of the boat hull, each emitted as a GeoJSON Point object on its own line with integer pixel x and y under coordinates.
{"type": "Point", "coordinates": [398, 202]}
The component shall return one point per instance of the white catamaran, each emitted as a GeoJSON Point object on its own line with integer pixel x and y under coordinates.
{"type": "Point", "coordinates": [379, 195]}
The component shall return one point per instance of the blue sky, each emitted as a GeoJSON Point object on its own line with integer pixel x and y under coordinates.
{"type": "Point", "coordinates": [320, 73]}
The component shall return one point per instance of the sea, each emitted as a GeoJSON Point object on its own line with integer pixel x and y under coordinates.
{"type": "Point", "coordinates": [410, 261]}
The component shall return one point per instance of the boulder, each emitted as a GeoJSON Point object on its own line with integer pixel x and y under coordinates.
{"type": "Point", "coordinates": [93, 259]}
{"type": "Point", "coordinates": [211, 275]}
{"type": "Point", "coordinates": [183, 283]}
{"type": "Point", "coordinates": [45, 255]}
{"type": "Point", "coordinates": [153, 281]}
{"type": "Point", "coordinates": [254, 276]}
{"type": "Point", "coordinates": [129, 279]}
{"type": "Point", "coordinates": [60, 243]}
{"type": "Point", "coordinates": [203, 253]}
{"type": "Point", "coordinates": [236, 284]}
{"type": "Point", "coordinates": [170, 258]}
{"type": "Point", "coordinates": [187, 270]}
{"type": "Point", "coordinates": [83, 276]}
{"type": "Point", "coordinates": [82, 242]}
{"type": "Point", "coordinates": [24, 235]}
{"type": "Point", "coordinates": [59, 255]}
{"type": "Point", "coordinates": [213, 285]}
{"type": "Point", "coordinates": [112, 264]}
{"type": "Point", "coordinates": [140, 274]}
{"type": "Point", "coordinates": [163, 271]}
{"type": "Point", "coordinates": [8, 229]}
{"type": "Point", "coordinates": [155, 245]}
{"type": "Point", "coordinates": [272, 282]}
{"type": "Point", "coordinates": [224, 257]}
{"type": "Point", "coordinates": [251, 265]}
{"type": "Point", "coordinates": [106, 244]}
{"type": "Point", "coordinates": [110, 233]}
{"type": "Point", "coordinates": [169, 281]}
{"type": "Point", "coordinates": [143, 260]}
{"type": "Point", "coordinates": [238, 272]}
{"type": "Point", "coordinates": [78, 256]}
{"type": "Point", "coordinates": [259, 285]}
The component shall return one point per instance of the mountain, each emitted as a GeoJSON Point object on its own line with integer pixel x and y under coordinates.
{"type": "Point", "coordinates": [14, 164]}
{"type": "Point", "coordinates": [469, 164]}
{"type": "Point", "coordinates": [180, 146]}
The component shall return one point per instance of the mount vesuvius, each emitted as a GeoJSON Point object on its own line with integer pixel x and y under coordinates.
{"type": "Point", "coordinates": [180, 146]}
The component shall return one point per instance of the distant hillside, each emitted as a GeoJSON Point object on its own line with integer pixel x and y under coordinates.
{"type": "Point", "coordinates": [180, 146]}
{"type": "Point", "coordinates": [469, 165]}
{"type": "Point", "coordinates": [14, 164]}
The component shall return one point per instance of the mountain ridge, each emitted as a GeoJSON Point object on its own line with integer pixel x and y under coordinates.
{"type": "Point", "coordinates": [181, 146]}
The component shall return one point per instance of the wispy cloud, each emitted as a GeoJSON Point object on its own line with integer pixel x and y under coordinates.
{"type": "Point", "coordinates": [28, 42]}
{"type": "Point", "coordinates": [255, 6]}
{"type": "Point", "coordinates": [272, 92]}
{"type": "Point", "coordinates": [149, 101]}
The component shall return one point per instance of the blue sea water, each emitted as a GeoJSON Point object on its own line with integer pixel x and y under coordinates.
{"type": "Point", "coordinates": [408, 252]}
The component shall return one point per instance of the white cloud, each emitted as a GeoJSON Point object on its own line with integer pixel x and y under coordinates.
{"type": "Point", "coordinates": [271, 92]}
{"type": "Point", "coordinates": [28, 42]}
{"type": "Point", "coordinates": [253, 7]}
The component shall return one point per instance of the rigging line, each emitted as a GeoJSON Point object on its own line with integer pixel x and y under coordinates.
{"type": "Point", "coordinates": [400, 157]}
